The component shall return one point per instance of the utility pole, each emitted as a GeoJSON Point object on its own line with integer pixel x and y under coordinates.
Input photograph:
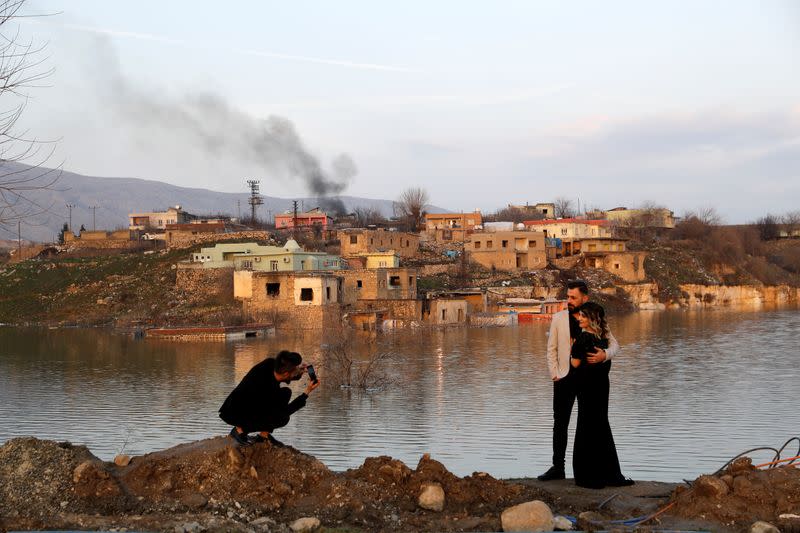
{"type": "Point", "coordinates": [255, 199]}
{"type": "Point", "coordinates": [294, 219]}
{"type": "Point", "coordinates": [239, 210]}
{"type": "Point", "coordinates": [94, 218]}
{"type": "Point", "coordinates": [70, 206]}
{"type": "Point", "coordinates": [19, 239]}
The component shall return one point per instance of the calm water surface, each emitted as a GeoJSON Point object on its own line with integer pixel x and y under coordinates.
{"type": "Point", "coordinates": [689, 390]}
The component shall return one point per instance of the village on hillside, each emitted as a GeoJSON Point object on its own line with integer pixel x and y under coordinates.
{"type": "Point", "coordinates": [311, 269]}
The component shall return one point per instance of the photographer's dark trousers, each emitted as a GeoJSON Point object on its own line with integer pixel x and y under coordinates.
{"type": "Point", "coordinates": [564, 393]}
{"type": "Point", "coordinates": [257, 415]}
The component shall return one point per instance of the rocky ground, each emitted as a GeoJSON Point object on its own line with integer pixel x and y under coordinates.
{"type": "Point", "coordinates": [212, 485]}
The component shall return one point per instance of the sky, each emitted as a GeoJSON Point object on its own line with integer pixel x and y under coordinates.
{"type": "Point", "coordinates": [688, 104]}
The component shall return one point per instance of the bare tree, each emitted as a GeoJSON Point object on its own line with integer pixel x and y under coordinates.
{"type": "Point", "coordinates": [367, 215]}
{"type": "Point", "coordinates": [768, 228]}
{"type": "Point", "coordinates": [564, 207]}
{"type": "Point", "coordinates": [791, 223]}
{"type": "Point", "coordinates": [411, 206]}
{"type": "Point", "coordinates": [21, 66]}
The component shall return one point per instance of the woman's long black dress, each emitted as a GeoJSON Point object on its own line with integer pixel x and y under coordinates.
{"type": "Point", "coordinates": [594, 458]}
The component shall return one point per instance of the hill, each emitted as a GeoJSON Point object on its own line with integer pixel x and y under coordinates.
{"type": "Point", "coordinates": [115, 198]}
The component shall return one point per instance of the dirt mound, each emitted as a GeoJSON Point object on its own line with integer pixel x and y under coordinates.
{"type": "Point", "coordinates": [44, 482]}
{"type": "Point", "coordinates": [257, 476]}
{"type": "Point", "coordinates": [741, 495]}
{"type": "Point", "coordinates": [36, 477]}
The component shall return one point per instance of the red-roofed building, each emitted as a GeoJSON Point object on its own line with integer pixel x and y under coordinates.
{"type": "Point", "coordinates": [309, 219]}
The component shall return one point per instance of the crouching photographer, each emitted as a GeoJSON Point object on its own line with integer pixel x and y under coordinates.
{"type": "Point", "coordinates": [259, 404]}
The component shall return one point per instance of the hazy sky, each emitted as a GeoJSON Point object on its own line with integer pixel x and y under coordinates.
{"type": "Point", "coordinates": [688, 104]}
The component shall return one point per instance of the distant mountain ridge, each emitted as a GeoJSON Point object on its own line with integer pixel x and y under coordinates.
{"type": "Point", "coordinates": [115, 198]}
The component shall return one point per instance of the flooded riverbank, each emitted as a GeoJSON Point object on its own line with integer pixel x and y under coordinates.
{"type": "Point", "coordinates": [688, 392]}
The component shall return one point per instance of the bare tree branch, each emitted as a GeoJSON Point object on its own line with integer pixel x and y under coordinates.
{"type": "Point", "coordinates": [22, 65]}
{"type": "Point", "coordinates": [411, 206]}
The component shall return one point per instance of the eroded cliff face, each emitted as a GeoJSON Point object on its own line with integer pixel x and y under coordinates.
{"type": "Point", "coordinates": [645, 296]}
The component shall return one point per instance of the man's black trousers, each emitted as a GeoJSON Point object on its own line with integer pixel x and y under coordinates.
{"type": "Point", "coordinates": [564, 394]}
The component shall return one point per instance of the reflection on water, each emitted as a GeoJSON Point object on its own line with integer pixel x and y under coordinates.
{"type": "Point", "coordinates": [689, 390]}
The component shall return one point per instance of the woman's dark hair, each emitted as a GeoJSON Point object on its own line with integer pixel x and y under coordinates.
{"type": "Point", "coordinates": [286, 361]}
{"type": "Point", "coordinates": [578, 284]}
{"type": "Point", "coordinates": [597, 317]}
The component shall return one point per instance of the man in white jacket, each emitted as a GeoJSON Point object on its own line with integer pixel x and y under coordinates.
{"type": "Point", "coordinates": [563, 329]}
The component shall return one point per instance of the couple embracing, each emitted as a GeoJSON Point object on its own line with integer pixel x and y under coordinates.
{"type": "Point", "coordinates": [579, 352]}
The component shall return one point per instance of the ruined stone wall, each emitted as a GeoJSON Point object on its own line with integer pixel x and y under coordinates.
{"type": "Point", "coordinates": [523, 291]}
{"type": "Point", "coordinates": [204, 283]}
{"type": "Point", "coordinates": [185, 240]}
{"type": "Point", "coordinates": [432, 270]}
{"type": "Point", "coordinates": [103, 240]}
{"type": "Point", "coordinates": [395, 309]}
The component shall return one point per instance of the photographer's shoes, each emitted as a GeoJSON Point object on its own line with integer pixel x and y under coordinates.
{"type": "Point", "coordinates": [270, 439]}
{"type": "Point", "coordinates": [239, 438]}
{"type": "Point", "coordinates": [275, 442]}
{"type": "Point", "coordinates": [553, 474]}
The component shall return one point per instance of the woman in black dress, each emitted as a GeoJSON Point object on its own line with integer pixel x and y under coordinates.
{"type": "Point", "coordinates": [594, 457]}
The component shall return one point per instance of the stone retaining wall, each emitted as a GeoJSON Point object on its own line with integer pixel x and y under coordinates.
{"type": "Point", "coordinates": [203, 283]}
{"type": "Point", "coordinates": [187, 241]}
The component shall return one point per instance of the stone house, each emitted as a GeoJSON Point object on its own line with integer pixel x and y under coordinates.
{"type": "Point", "coordinates": [355, 242]}
{"type": "Point", "coordinates": [546, 210]}
{"type": "Point", "coordinates": [508, 250]}
{"type": "Point", "coordinates": [379, 284]}
{"type": "Point", "coordinates": [444, 311]}
{"type": "Point", "coordinates": [629, 266]}
{"type": "Point", "coordinates": [652, 218]}
{"type": "Point", "coordinates": [157, 219]}
{"type": "Point", "coordinates": [296, 300]}
{"type": "Point", "coordinates": [388, 259]}
{"type": "Point", "coordinates": [467, 221]}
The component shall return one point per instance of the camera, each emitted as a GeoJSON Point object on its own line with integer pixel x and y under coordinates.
{"type": "Point", "coordinates": [311, 373]}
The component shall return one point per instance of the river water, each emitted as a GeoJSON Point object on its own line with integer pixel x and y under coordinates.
{"type": "Point", "coordinates": [689, 390]}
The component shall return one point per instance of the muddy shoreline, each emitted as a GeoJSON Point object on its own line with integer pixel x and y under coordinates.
{"type": "Point", "coordinates": [213, 485]}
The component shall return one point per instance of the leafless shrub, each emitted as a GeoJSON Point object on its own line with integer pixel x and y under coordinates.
{"type": "Point", "coordinates": [564, 207]}
{"type": "Point", "coordinates": [342, 368]}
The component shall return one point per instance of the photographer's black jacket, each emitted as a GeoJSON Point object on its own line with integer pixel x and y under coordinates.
{"type": "Point", "coordinates": [259, 403]}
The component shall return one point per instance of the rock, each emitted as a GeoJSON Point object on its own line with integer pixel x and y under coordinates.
{"type": "Point", "coordinates": [253, 472]}
{"type": "Point", "coordinates": [80, 471]}
{"type": "Point", "coordinates": [562, 523]}
{"type": "Point", "coordinates": [742, 465]}
{"type": "Point", "coordinates": [589, 520]}
{"type": "Point", "coordinates": [188, 527]}
{"type": "Point", "coordinates": [529, 516]}
{"type": "Point", "coordinates": [710, 486]}
{"type": "Point", "coordinates": [235, 457]}
{"type": "Point", "coordinates": [728, 479]}
{"type": "Point", "coordinates": [122, 460]}
{"type": "Point", "coordinates": [303, 525]}
{"type": "Point", "coordinates": [742, 485]}
{"type": "Point", "coordinates": [431, 497]}
{"type": "Point", "coordinates": [763, 527]}
{"type": "Point", "coordinates": [194, 500]}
